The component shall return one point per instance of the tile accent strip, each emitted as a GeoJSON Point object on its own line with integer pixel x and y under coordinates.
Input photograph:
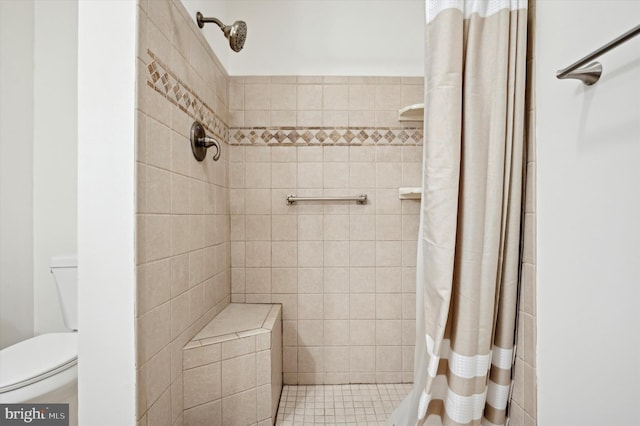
{"type": "Point", "coordinates": [326, 136]}
{"type": "Point", "coordinates": [165, 82]}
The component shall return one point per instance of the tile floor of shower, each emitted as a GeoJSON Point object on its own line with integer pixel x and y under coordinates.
{"type": "Point", "coordinates": [369, 404]}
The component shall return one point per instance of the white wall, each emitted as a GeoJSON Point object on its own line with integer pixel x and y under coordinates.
{"type": "Point", "coordinates": [588, 218]}
{"type": "Point", "coordinates": [106, 194]}
{"type": "Point", "coordinates": [16, 171]}
{"type": "Point", "coordinates": [55, 151]}
{"type": "Point", "coordinates": [39, 142]}
{"type": "Point", "coordinates": [321, 37]}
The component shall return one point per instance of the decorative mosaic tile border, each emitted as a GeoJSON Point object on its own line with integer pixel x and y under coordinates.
{"type": "Point", "coordinates": [165, 82]}
{"type": "Point", "coordinates": [325, 136]}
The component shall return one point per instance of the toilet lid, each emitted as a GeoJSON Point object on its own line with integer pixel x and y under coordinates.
{"type": "Point", "coordinates": [37, 358]}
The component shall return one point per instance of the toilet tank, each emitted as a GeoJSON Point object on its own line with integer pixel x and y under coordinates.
{"type": "Point", "coordinates": [65, 273]}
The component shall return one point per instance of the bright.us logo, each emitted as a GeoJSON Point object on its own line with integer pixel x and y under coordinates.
{"type": "Point", "coordinates": [27, 415]}
{"type": "Point", "coordinates": [34, 414]}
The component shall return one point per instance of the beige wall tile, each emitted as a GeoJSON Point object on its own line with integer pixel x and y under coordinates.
{"type": "Point", "coordinates": [284, 227]}
{"type": "Point", "coordinates": [257, 227]}
{"type": "Point", "coordinates": [257, 154]}
{"type": "Point", "coordinates": [362, 358]}
{"type": "Point", "coordinates": [388, 227]}
{"type": "Point", "coordinates": [362, 153]}
{"type": "Point", "coordinates": [310, 280]}
{"type": "Point", "coordinates": [310, 306]}
{"type": "Point", "coordinates": [336, 79]}
{"type": "Point", "coordinates": [387, 118]}
{"type": "Point", "coordinates": [310, 333]}
{"type": "Point", "coordinates": [335, 97]}
{"type": "Point", "coordinates": [409, 253]}
{"type": "Point", "coordinates": [362, 118]}
{"type": "Point", "coordinates": [309, 97]}
{"type": "Point", "coordinates": [388, 306]}
{"type": "Point", "coordinates": [362, 280]}
{"type": "Point", "coordinates": [264, 404]}
{"type": "Point", "coordinates": [310, 227]}
{"type": "Point", "coordinates": [258, 254]}
{"type": "Point", "coordinates": [388, 97]}
{"type": "Point", "coordinates": [362, 253]}
{"type": "Point", "coordinates": [283, 96]}
{"type": "Point", "coordinates": [388, 175]}
{"type": "Point", "coordinates": [283, 175]}
{"type": "Point", "coordinates": [238, 374]}
{"type": "Point", "coordinates": [284, 254]}
{"type": "Point", "coordinates": [153, 285]}
{"type": "Point", "coordinates": [339, 118]}
{"type": "Point", "coordinates": [362, 306]}
{"type": "Point", "coordinates": [388, 253]}
{"type": "Point", "coordinates": [336, 280]}
{"type": "Point", "coordinates": [284, 280]}
{"type": "Point", "coordinates": [336, 332]}
{"type": "Point", "coordinates": [290, 359]}
{"type": "Point", "coordinates": [257, 175]}
{"type": "Point", "coordinates": [336, 253]}
{"type": "Point", "coordinates": [154, 331]}
{"type": "Point", "coordinates": [257, 201]}
{"type": "Point", "coordinates": [258, 280]}
{"type": "Point", "coordinates": [240, 408]}
{"type": "Point", "coordinates": [310, 253]}
{"type": "Point", "coordinates": [388, 358]}
{"type": "Point", "coordinates": [336, 227]}
{"type": "Point", "coordinates": [160, 412]}
{"type": "Point", "coordinates": [361, 97]}
{"type": "Point", "coordinates": [202, 384]}
{"type": "Point", "coordinates": [200, 356]}
{"type": "Point", "coordinates": [257, 97]}
{"type": "Point", "coordinates": [289, 305]}
{"type": "Point", "coordinates": [310, 175]}
{"type": "Point", "coordinates": [334, 358]}
{"type": "Point", "coordinates": [283, 118]}
{"type": "Point", "coordinates": [203, 414]}
{"type": "Point", "coordinates": [362, 227]}
{"type": "Point", "coordinates": [157, 242]}
{"type": "Point", "coordinates": [308, 118]}
{"type": "Point", "coordinates": [388, 332]}
{"type": "Point", "coordinates": [310, 359]}
{"type": "Point", "coordinates": [388, 280]}
{"type": "Point", "coordinates": [336, 306]}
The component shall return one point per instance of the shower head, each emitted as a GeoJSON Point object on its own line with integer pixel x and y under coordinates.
{"type": "Point", "coordinates": [236, 33]}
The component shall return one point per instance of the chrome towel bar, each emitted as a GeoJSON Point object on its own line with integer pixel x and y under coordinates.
{"type": "Point", "coordinates": [360, 198]}
{"type": "Point", "coordinates": [589, 73]}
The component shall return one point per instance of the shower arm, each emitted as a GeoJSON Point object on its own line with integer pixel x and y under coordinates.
{"type": "Point", "coordinates": [201, 20]}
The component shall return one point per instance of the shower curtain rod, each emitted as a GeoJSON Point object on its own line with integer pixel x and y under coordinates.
{"type": "Point", "coordinates": [590, 74]}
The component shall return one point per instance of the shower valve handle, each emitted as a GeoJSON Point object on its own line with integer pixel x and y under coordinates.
{"type": "Point", "coordinates": [200, 142]}
{"type": "Point", "coordinates": [207, 142]}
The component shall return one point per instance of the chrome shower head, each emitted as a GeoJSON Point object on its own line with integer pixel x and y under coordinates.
{"type": "Point", "coordinates": [236, 33]}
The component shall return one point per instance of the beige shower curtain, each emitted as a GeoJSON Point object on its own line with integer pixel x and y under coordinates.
{"type": "Point", "coordinates": [469, 243]}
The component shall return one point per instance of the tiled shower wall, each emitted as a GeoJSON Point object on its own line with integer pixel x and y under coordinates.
{"type": "Point", "coordinates": [183, 249]}
{"type": "Point", "coordinates": [345, 273]}
{"type": "Point", "coordinates": [524, 402]}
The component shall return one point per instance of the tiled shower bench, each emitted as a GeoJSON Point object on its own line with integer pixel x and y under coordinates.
{"type": "Point", "coordinates": [232, 369]}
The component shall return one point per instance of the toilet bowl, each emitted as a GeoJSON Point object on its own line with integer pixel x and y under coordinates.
{"type": "Point", "coordinates": [43, 369]}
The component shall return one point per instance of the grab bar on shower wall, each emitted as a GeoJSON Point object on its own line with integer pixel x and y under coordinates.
{"type": "Point", "coordinates": [590, 73]}
{"type": "Point", "coordinates": [360, 198]}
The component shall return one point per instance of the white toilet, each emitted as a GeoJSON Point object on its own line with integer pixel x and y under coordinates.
{"type": "Point", "coordinates": [43, 369]}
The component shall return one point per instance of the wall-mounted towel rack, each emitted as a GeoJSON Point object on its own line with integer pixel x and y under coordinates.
{"type": "Point", "coordinates": [589, 73]}
{"type": "Point", "coordinates": [360, 198]}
